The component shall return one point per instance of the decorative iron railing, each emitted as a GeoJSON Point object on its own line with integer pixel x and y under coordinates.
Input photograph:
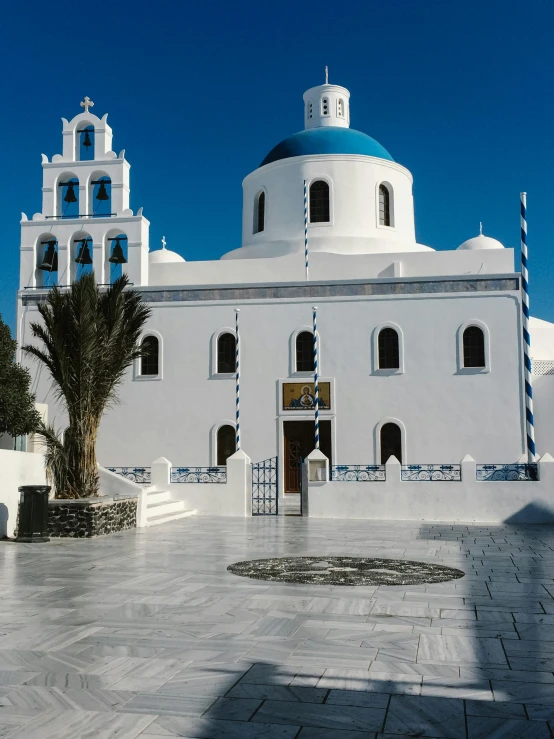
{"type": "Point", "coordinates": [358, 473]}
{"type": "Point", "coordinates": [507, 472]}
{"type": "Point", "coordinates": [140, 475]}
{"type": "Point", "coordinates": [198, 474]}
{"type": "Point", "coordinates": [431, 472]}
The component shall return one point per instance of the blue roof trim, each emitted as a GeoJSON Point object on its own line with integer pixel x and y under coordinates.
{"type": "Point", "coordinates": [328, 140]}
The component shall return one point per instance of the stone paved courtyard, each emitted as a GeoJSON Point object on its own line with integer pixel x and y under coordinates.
{"type": "Point", "coordinates": [146, 634]}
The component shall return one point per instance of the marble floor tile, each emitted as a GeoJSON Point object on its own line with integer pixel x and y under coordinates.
{"type": "Point", "coordinates": [506, 728]}
{"type": "Point", "coordinates": [201, 728]}
{"type": "Point", "coordinates": [324, 716]}
{"type": "Point", "coordinates": [426, 717]}
{"type": "Point", "coordinates": [83, 724]}
{"type": "Point", "coordinates": [527, 692]}
{"type": "Point", "coordinates": [461, 650]}
{"type": "Point", "coordinates": [158, 703]}
{"type": "Point", "coordinates": [277, 693]}
{"type": "Point", "coordinates": [496, 709]}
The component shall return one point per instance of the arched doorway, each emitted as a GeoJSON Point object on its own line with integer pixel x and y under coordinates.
{"type": "Point", "coordinates": [391, 442]}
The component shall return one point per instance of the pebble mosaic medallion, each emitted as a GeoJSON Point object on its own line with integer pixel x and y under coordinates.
{"type": "Point", "coordinates": [344, 571]}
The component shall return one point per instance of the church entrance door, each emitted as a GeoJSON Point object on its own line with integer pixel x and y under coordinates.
{"type": "Point", "coordinates": [299, 442]}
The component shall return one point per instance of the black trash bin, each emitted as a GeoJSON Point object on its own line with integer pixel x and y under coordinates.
{"type": "Point", "coordinates": [33, 513]}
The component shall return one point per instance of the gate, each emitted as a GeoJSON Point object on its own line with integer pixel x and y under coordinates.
{"type": "Point", "coordinates": [264, 488]}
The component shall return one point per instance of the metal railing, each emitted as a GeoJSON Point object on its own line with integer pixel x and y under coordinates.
{"type": "Point", "coordinates": [507, 472]}
{"type": "Point", "coordinates": [431, 472]}
{"type": "Point", "coordinates": [140, 475]}
{"type": "Point", "coordinates": [198, 474]}
{"type": "Point", "coordinates": [358, 473]}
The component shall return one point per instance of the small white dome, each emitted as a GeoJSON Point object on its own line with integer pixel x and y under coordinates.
{"type": "Point", "coordinates": [481, 242]}
{"type": "Point", "coordinates": [164, 256]}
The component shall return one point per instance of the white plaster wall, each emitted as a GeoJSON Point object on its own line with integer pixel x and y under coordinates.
{"type": "Point", "coordinates": [354, 227]}
{"type": "Point", "coordinates": [324, 266]}
{"type": "Point", "coordinates": [16, 469]}
{"type": "Point", "coordinates": [543, 399]}
{"type": "Point", "coordinates": [446, 414]}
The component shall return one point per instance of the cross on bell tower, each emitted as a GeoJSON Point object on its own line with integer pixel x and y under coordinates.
{"type": "Point", "coordinates": [86, 103]}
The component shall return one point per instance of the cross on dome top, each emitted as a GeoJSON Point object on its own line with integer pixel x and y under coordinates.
{"type": "Point", "coordinates": [164, 242]}
{"type": "Point", "coordinates": [86, 103]}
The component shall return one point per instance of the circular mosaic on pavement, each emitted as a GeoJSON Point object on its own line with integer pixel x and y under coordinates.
{"type": "Point", "coordinates": [344, 571]}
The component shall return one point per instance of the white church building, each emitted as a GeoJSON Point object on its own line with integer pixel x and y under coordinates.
{"type": "Point", "coordinates": [420, 351]}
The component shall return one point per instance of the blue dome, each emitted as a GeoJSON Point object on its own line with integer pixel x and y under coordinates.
{"type": "Point", "coordinates": [327, 140]}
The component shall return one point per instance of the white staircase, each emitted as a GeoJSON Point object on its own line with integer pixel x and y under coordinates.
{"type": "Point", "coordinates": [160, 508]}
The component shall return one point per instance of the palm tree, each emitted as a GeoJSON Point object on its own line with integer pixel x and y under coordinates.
{"type": "Point", "coordinates": [88, 338]}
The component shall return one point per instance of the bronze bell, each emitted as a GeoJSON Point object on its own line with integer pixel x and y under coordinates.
{"type": "Point", "coordinates": [83, 257]}
{"type": "Point", "coordinates": [50, 261]}
{"type": "Point", "coordinates": [117, 256]}
{"type": "Point", "coordinates": [102, 193]}
{"type": "Point", "coordinates": [86, 141]}
{"type": "Point", "coordinates": [70, 193]}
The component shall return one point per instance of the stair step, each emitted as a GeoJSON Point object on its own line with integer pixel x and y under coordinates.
{"type": "Point", "coordinates": [155, 520]}
{"type": "Point", "coordinates": [156, 509]}
{"type": "Point", "coordinates": [158, 496]}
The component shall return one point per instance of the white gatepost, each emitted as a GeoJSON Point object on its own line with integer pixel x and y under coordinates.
{"type": "Point", "coordinates": [392, 473]}
{"type": "Point", "coordinates": [239, 479]}
{"type": "Point", "coordinates": [546, 470]}
{"type": "Point", "coordinates": [469, 470]}
{"type": "Point", "coordinates": [161, 473]}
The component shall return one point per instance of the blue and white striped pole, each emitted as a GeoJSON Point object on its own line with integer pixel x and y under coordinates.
{"type": "Point", "coordinates": [237, 380]}
{"type": "Point", "coordinates": [526, 335]}
{"type": "Point", "coordinates": [306, 228]}
{"type": "Point", "coordinates": [316, 379]}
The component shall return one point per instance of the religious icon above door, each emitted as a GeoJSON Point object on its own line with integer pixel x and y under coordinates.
{"type": "Point", "coordinates": [300, 396]}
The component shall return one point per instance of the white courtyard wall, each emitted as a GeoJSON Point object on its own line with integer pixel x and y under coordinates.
{"type": "Point", "coordinates": [16, 469]}
{"type": "Point", "coordinates": [469, 500]}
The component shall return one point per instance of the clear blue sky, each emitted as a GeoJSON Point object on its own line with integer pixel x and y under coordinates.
{"type": "Point", "coordinates": [460, 92]}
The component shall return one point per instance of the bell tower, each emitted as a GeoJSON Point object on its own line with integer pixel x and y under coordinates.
{"type": "Point", "coordinates": [85, 223]}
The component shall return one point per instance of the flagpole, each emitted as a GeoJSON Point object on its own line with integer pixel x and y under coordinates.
{"type": "Point", "coordinates": [306, 228]}
{"type": "Point", "coordinates": [526, 336]}
{"type": "Point", "coordinates": [237, 380]}
{"type": "Point", "coordinates": [316, 378]}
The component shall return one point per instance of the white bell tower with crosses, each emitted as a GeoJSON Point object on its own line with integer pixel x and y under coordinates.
{"type": "Point", "coordinates": [85, 195]}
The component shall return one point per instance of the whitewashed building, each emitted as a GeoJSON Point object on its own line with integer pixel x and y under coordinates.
{"type": "Point", "coordinates": [420, 350]}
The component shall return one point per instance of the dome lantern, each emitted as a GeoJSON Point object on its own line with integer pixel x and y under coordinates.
{"type": "Point", "coordinates": [326, 105]}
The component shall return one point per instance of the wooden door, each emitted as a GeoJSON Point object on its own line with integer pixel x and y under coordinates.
{"type": "Point", "coordinates": [299, 442]}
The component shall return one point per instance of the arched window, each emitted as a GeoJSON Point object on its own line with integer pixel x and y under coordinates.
{"type": "Point", "coordinates": [391, 442]}
{"type": "Point", "coordinates": [226, 353]}
{"type": "Point", "coordinates": [226, 444]}
{"type": "Point", "coordinates": [340, 108]}
{"type": "Point", "coordinates": [305, 352]}
{"type": "Point", "coordinates": [474, 347]}
{"type": "Point", "coordinates": [150, 359]}
{"type": "Point", "coordinates": [389, 355]}
{"type": "Point", "coordinates": [384, 206]}
{"type": "Point", "coordinates": [324, 106]}
{"type": "Point", "coordinates": [259, 213]}
{"type": "Point", "coordinates": [319, 202]}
